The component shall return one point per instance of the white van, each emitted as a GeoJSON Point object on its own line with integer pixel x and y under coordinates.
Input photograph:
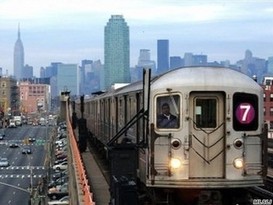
{"type": "Point", "coordinates": [12, 123]}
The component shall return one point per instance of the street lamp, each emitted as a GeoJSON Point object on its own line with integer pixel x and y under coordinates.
{"type": "Point", "coordinates": [31, 184]}
{"type": "Point", "coordinates": [31, 177]}
{"type": "Point", "coordinates": [26, 141]}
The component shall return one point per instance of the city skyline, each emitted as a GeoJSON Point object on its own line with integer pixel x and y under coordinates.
{"type": "Point", "coordinates": [67, 32]}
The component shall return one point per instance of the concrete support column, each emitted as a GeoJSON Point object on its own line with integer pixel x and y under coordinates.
{"type": "Point", "coordinates": [64, 99]}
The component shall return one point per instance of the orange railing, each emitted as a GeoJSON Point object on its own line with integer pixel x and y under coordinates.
{"type": "Point", "coordinates": [82, 183]}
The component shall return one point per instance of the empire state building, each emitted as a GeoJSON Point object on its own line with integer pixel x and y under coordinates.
{"type": "Point", "coordinates": [18, 57]}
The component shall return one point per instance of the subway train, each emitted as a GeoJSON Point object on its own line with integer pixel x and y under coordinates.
{"type": "Point", "coordinates": [199, 130]}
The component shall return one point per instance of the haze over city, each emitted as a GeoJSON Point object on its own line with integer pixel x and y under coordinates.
{"type": "Point", "coordinates": [68, 31]}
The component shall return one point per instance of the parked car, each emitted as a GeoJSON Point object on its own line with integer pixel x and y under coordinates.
{"type": "Point", "coordinates": [64, 200]}
{"type": "Point", "coordinates": [4, 162]}
{"type": "Point", "coordinates": [58, 161]}
{"type": "Point", "coordinates": [61, 156]}
{"type": "Point", "coordinates": [61, 166]}
{"type": "Point", "coordinates": [58, 192]}
{"type": "Point", "coordinates": [60, 152]}
{"type": "Point", "coordinates": [58, 182]}
{"type": "Point", "coordinates": [58, 175]}
{"type": "Point", "coordinates": [61, 143]}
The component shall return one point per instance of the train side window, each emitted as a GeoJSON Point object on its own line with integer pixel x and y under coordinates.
{"type": "Point", "coordinates": [168, 109]}
{"type": "Point", "coordinates": [245, 112]}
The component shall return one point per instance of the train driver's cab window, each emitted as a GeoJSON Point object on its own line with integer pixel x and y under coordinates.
{"type": "Point", "coordinates": [168, 109]}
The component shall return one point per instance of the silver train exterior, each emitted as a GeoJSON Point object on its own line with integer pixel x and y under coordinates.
{"type": "Point", "coordinates": [218, 139]}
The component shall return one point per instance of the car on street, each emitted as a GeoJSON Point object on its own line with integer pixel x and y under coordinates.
{"type": "Point", "coordinates": [2, 132]}
{"type": "Point", "coordinates": [31, 139]}
{"type": "Point", "coordinates": [26, 150]}
{"type": "Point", "coordinates": [4, 162]}
{"type": "Point", "coordinates": [13, 145]}
{"type": "Point", "coordinates": [12, 123]}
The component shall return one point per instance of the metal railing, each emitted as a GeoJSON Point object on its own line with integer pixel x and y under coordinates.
{"type": "Point", "coordinates": [83, 188]}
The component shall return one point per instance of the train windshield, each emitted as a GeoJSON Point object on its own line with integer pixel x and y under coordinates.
{"type": "Point", "coordinates": [168, 109]}
{"type": "Point", "coordinates": [205, 113]}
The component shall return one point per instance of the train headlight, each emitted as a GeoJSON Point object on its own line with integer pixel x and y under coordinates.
{"type": "Point", "coordinates": [176, 143]}
{"type": "Point", "coordinates": [175, 163]}
{"type": "Point", "coordinates": [238, 143]}
{"type": "Point", "coordinates": [238, 163]}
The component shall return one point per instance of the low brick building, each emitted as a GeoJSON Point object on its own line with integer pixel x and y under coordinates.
{"type": "Point", "coordinates": [34, 97]}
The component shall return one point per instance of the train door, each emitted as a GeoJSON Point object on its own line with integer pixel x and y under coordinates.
{"type": "Point", "coordinates": [207, 131]}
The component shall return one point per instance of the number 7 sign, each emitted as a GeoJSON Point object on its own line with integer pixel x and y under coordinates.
{"type": "Point", "coordinates": [245, 113]}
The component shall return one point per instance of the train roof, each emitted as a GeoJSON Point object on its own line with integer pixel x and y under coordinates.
{"type": "Point", "coordinates": [205, 77]}
{"type": "Point", "coordinates": [193, 77]}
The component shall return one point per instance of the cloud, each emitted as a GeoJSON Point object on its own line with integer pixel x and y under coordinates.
{"type": "Point", "coordinates": [73, 29]}
{"type": "Point", "coordinates": [135, 10]}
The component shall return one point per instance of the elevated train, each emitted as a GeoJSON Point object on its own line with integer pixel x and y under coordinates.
{"type": "Point", "coordinates": [217, 147]}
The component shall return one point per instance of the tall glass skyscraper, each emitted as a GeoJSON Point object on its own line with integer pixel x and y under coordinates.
{"type": "Point", "coordinates": [162, 56]}
{"type": "Point", "coordinates": [116, 51]}
{"type": "Point", "coordinates": [18, 60]}
{"type": "Point", "coordinates": [67, 79]}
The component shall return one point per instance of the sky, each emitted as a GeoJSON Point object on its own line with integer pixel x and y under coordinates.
{"type": "Point", "coordinates": [69, 31]}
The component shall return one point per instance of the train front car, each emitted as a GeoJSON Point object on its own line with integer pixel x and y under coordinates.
{"type": "Point", "coordinates": [205, 133]}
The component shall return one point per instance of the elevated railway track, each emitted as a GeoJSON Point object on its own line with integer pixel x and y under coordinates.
{"type": "Point", "coordinates": [79, 186]}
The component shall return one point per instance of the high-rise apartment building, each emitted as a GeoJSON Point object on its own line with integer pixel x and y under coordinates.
{"type": "Point", "coordinates": [18, 60]}
{"type": "Point", "coordinates": [27, 72]}
{"type": "Point", "coordinates": [252, 66]}
{"type": "Point", "coordinates": [200, 60]}
{"type": "Point", "coordinates": [270, 65]}
{"type": "Point", "coordinates": [116, 51]}
{"type": "Point", "coordinates": [188, 59]}
{"type": "Point", "coordinates": [162, 56]}
{"type": "Point", "coordinates": [90, 76]}
{"type": "Point", "coordinates": [51, 70]}
{"type": "Point", "coordinates": [176, 62]}
{"type": "Point", "coordinates": [42, 72]}
{"type": "Point", "coordinates": [144, 62]}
